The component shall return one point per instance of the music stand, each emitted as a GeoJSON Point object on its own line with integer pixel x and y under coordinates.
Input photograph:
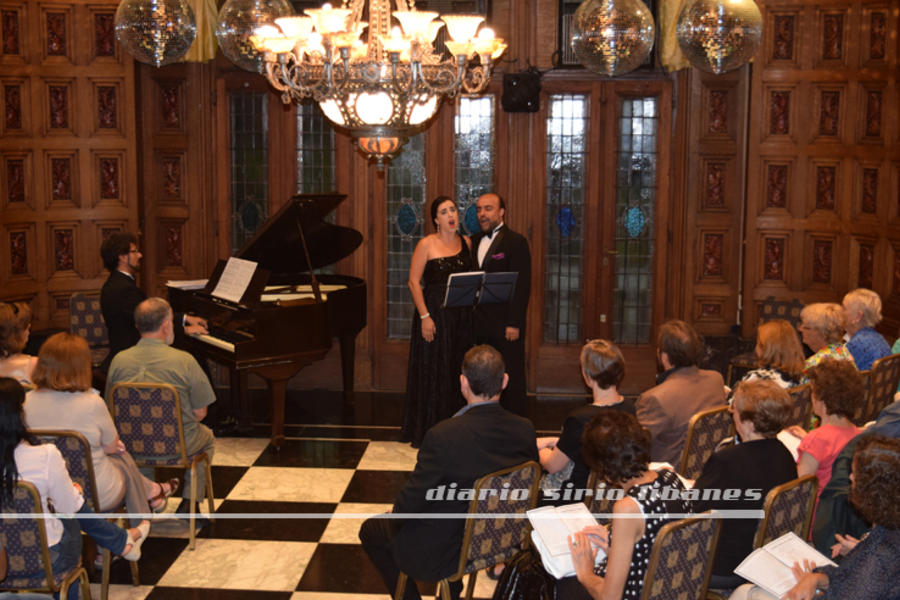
{"type": "Point", "coordinates": [498, 288]}
{"type": "Point", "coordinates": [462, 289]}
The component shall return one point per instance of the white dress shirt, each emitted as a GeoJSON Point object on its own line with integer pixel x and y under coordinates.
{"type": "Point", "coordinates": [485, 243]}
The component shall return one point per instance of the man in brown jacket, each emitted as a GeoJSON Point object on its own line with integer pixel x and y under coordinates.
{"type": "Point", "coordinates": [683, 389]}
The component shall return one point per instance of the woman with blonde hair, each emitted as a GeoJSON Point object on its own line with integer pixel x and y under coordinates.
{"type": "Point", "coordinates": [15, 327]}
{"type": "Point", "coordinates": [862, 312]}
{"type": "Point", "coordinates": [64, 399]}
{"type": "Point", "coordinates": [779, 355]}
{"type": "Point", "coordinates": [822, 329]}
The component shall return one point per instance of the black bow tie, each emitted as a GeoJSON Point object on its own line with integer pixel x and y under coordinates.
{"type": "Point", "coordinates": [490, 235]}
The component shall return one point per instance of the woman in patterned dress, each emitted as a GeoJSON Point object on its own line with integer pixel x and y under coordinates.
{"type": "Point", "coordinates": [822, 329]}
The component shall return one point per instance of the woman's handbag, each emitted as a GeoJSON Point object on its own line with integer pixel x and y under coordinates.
{"type": "Point", "coordinates": [524, 578]}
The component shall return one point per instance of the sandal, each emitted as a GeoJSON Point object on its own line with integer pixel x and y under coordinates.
{"type": "Point", "coordinates": [134, 553]}
{"type": "Point", "coordinates": [159, 501]}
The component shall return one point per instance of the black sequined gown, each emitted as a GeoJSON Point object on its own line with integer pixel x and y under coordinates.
{"type": "Point", "coordinates": [432, 381]}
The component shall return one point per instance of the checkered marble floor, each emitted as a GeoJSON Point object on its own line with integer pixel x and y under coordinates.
{"type": "Point", "coordinates": [268, 557]}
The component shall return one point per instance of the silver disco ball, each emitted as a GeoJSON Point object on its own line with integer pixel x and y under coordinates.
{"type": "Point", "coordinates": [236, 22]}
{"type": "Point", "coordinates": [719, 35]}
{"type": "Point", "coordinates": [156, 32]}
{"type": "Point", "coordinates": [612, 37]}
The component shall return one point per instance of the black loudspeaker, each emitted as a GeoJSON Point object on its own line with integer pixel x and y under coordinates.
{"type": "Point", "coordinates": [522, 91]}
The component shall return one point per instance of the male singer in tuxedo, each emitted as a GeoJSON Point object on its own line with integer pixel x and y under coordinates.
{"type": "Point", "coordinates": [498, 248]}
{"type": "Point", "coordinates": [120, 295]}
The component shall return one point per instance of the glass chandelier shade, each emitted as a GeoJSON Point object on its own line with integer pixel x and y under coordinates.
{"type": "Point", "coordinates": [381, 79]}
{"type": "Point", "coordinates": [156, 32]}
{"type": "Point", "coordinates": [237, 21]}
{"type": "Point", "coordinates": [612, 37]}
{"type": "Point", "coordinates": [719, 35]}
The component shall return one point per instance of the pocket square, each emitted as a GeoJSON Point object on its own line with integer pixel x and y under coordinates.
{"type": "Point", "coordinates": [499, 256]}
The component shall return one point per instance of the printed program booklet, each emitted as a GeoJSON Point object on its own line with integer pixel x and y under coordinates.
{"type": "Point", "coordinates": [552, 527]}
{"type": "Point", "coordinates": [769, 567]}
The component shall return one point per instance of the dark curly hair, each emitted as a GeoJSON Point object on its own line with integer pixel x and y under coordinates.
{"type": "Point", "coordinates": [838, 385]}
{"type": "Point", "coordinates": [876, 480]}
{"type": "Point", "coordinates": [616, 446]}
{"type": "Point", "coordinates": [765, 404]}
{"type": "Point", "coordinates": [115, 246]}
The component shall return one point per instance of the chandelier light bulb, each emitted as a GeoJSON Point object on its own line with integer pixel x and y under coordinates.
{"type": "Point", "coordinates": [155, 32]}
{"type": "Point", "coordinates": [718, 36]}
{"type": "Point", "coordinates": [237, 22]}
{"type": "Point", "coordinates": [612, 37]}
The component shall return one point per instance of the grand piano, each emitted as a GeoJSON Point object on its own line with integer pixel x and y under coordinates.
{"type": "Point", "coordinates": [288, 316]}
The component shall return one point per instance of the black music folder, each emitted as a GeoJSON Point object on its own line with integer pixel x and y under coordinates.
{"type": "Point", "coordinates": [477, 287]}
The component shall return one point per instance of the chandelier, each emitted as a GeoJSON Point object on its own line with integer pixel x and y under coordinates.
{"type": "Point", "coordinates": [381, 82]}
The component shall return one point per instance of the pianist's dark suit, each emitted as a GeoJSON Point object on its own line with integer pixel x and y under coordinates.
{"type": "Point", "coordinates": [508, 252]}
{"type": "Point", "coordinates": [119, 297]}
{"type": "Point", "coordinates": [461, 449]}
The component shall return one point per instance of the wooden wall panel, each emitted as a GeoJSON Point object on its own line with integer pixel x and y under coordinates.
{"type": "Point", "coordinates": [67, 142]}
{"type": "Point", "coordinates": [824, 145]}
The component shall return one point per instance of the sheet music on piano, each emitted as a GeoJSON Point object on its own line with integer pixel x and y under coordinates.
{"type": "Point", "coordinates": [235, 279]}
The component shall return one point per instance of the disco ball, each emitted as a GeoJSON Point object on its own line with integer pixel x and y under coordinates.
{"type": "Point", "coordinates": [156, 32]}
{"type": "Point", "coordinates": [612, 37]}
{"type": "Point", "coordinates": [236, 22]}
{"type": "Point", "coordinates": [719, 35]}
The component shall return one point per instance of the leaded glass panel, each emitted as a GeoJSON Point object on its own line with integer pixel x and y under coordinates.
{"type": "Point", "coordinates": [249, 165]}
{"type": "Point", "coordinates": [564, 217]}
{"type": "Point", "coordinates": [405, 210]}
{"type": "Point", "coordinates": [315, 151]}
{"type": "Point", "coordinates": [636, 161]}
{"type": "Point", "coordinates": [474, 148]}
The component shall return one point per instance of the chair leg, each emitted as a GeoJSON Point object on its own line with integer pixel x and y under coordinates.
{"type": "Point", "coordinates": [401, 586]}
{"type": "Point", "coordinates": [210, 505]}
{"type": "Point", "coordinates": [470, 584]}
{"type": "Point", "coordinates": [135, 574]}
{"type": "Point", "coordinates": [192, 515]}
{"type": "Point", "coordinates": [443, 591]}
{"type": "Point", "coordinates": [85, 585]}
{"type": "Point", "coordinates": [104, 578]}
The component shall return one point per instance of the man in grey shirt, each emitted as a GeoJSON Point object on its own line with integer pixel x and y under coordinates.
{"type": "Point", "coordinates": [153, 360]}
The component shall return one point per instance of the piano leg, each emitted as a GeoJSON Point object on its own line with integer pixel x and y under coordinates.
{"type": "Point", "coordinates": [277, 387]}
{"type": "Point", "coordinates": [348, 358]}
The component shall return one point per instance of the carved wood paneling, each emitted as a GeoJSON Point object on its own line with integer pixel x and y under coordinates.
{"type": "Point", "coordinates": [18, 253]}
{"type": "Point", "coordinates": [717, 123]}
{"type": "Point", "coordinates": [874, 100]}
{"type": "Point", "coordinates": [171, 105]}
{"type": "Point", "coordinates": [780, 112]}
{"type": "Point", "coordinates": [107, 107]}
{"type": "Point", "coordinates": [12, 96]}
{"type": "Point", "coordinates": [15, 193]}
{"type": "Point", "coordinates": [878, 34]}
{"type": "Point", "coordinates": [104, 34]}
{"type": "Point", "coordinates": [868, 202]}
{"type": "Point", "coordinates": [716, 185]}
{"type": "Point", "coordinates": [774, 249]}
{"type": "Point", "coordinates": [59, 98]}
{"type": "Point", "coordinates": [833, 36]}
{"type": "Point", "coordinates": [109, 178]}
{"type": "Point", "coordinates": [15, 180]}
{"type": "Point", "coordinates": [9, 26]}
{"type": "Point", "coordinates": [826, 186]}
{"type": "Point", "coordinates": [170, 175]}
{"type": "Point", "coordinates": [866, 266]}
{"type": "Point", "coordinates": [61, 174]}
{"type": "Point", "coordinates": [783, 35]}
{"type": "Point", "coordinates": [829, 112]}
{"type": "Point", "coordinates": [64, 249]}
{"type": "Point", "coordinates": [57, 34]}
{"type": "Point", "coordinates": [777, 186]}
{"type": "Point", "coordinates": [172, 245]}
{"type": "Point", "coordinates": [822, 260]}
{"type": "Point", "coordinates": [713, 255]}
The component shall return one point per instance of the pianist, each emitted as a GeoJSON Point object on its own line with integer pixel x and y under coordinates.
{"type": "Point", "coordinates": [153, 360]}
{"type": "Point", "coordinates": [121, 294]}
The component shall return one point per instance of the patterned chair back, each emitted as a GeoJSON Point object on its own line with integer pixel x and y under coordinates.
{"type": "Point", "coordinates": [884, 376]}
{"type": "Point", "coordinates": [801, 405]}
{"type": "Point", "coordinates": [681, 560]}
{"type": "Point", "coordinates": [25, 539]}
{"type": "Point", "coordinates": [76, 451]}
{"type": "Point", "coordinates": [487, 541]}
{"type": "Point", "coordinates": [706, 429]}
{"type": "Point", "coordinates": [788, 507]}
{"type": "Point", "coordinates": [86, 320]}
{"type": "Point", "coordinates": [148, 418]}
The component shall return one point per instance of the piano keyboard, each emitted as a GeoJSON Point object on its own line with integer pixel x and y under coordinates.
{"type": "Point", "coordinates": [222, 338]}
{"type": "Point", "coordinates": [301, 292]}
{"type": "Point", "coordinates": [214, 341]}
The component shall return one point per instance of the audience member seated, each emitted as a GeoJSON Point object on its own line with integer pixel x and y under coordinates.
{"type": "Point", "coordinates": [64, 399]}
{"type": "Point", "coordinates": [682, 390]}
{"type": "Point", "coordinates": [153, 360]}
{"type": "Point", "coordinates": [481, 438]}
{"type": "Point", "coordinates": [869, 570]}
{"type": "Point", "coordinates": [618, 449]}
{"type": "Point", "coordinates": [760, 462]}
{"type": "Point", "coordinates": [836, 515]}
{"type": "Point", "coordinates": [603, 368]}
{"type": "Point", "coordinates": [779, 355]}
{"type": "Point", "coordinates": [822, 329]}
{"type": "Point", "coordinates": [15, 326]}
{"type": "Point", "coordinates": [862, 312]}
{"type": "Point", "coordinates": [24, 458]}
{"type": "Point", "coordinates": [837, 389]}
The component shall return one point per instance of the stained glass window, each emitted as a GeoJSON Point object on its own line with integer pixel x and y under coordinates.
{"type": "Point", "coordinates": [474, 127]}
{"type": "Point", "coordinates": [249, 165]}
{"type": "Point", "coordinates": [564, 217]}
{"type": "Point", "coordinates": [405, 210]}
{"type": "Point", "coordinates": [636, 161]}
{"type": "Point", "coordinates": [315, 151]}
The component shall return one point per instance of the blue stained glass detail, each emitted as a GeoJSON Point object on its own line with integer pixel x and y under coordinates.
{"type": "Point", "coordinates": [250, 216]}
{"type": "Point", "coordinates": [565, 220]}
{"type": "Point", "coordinates": [407, 221]}
{"type": "Point", "coordinates": [634, 221]}
{"type": "Point", "coordinates": [470, 220]}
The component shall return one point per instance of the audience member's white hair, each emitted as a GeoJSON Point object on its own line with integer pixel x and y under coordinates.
{"type": "Point", "coordinates": [868, 303]}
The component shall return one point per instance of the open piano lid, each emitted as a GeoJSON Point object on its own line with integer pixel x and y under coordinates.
{"type": "Point", "coordinates": [277, 246]}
